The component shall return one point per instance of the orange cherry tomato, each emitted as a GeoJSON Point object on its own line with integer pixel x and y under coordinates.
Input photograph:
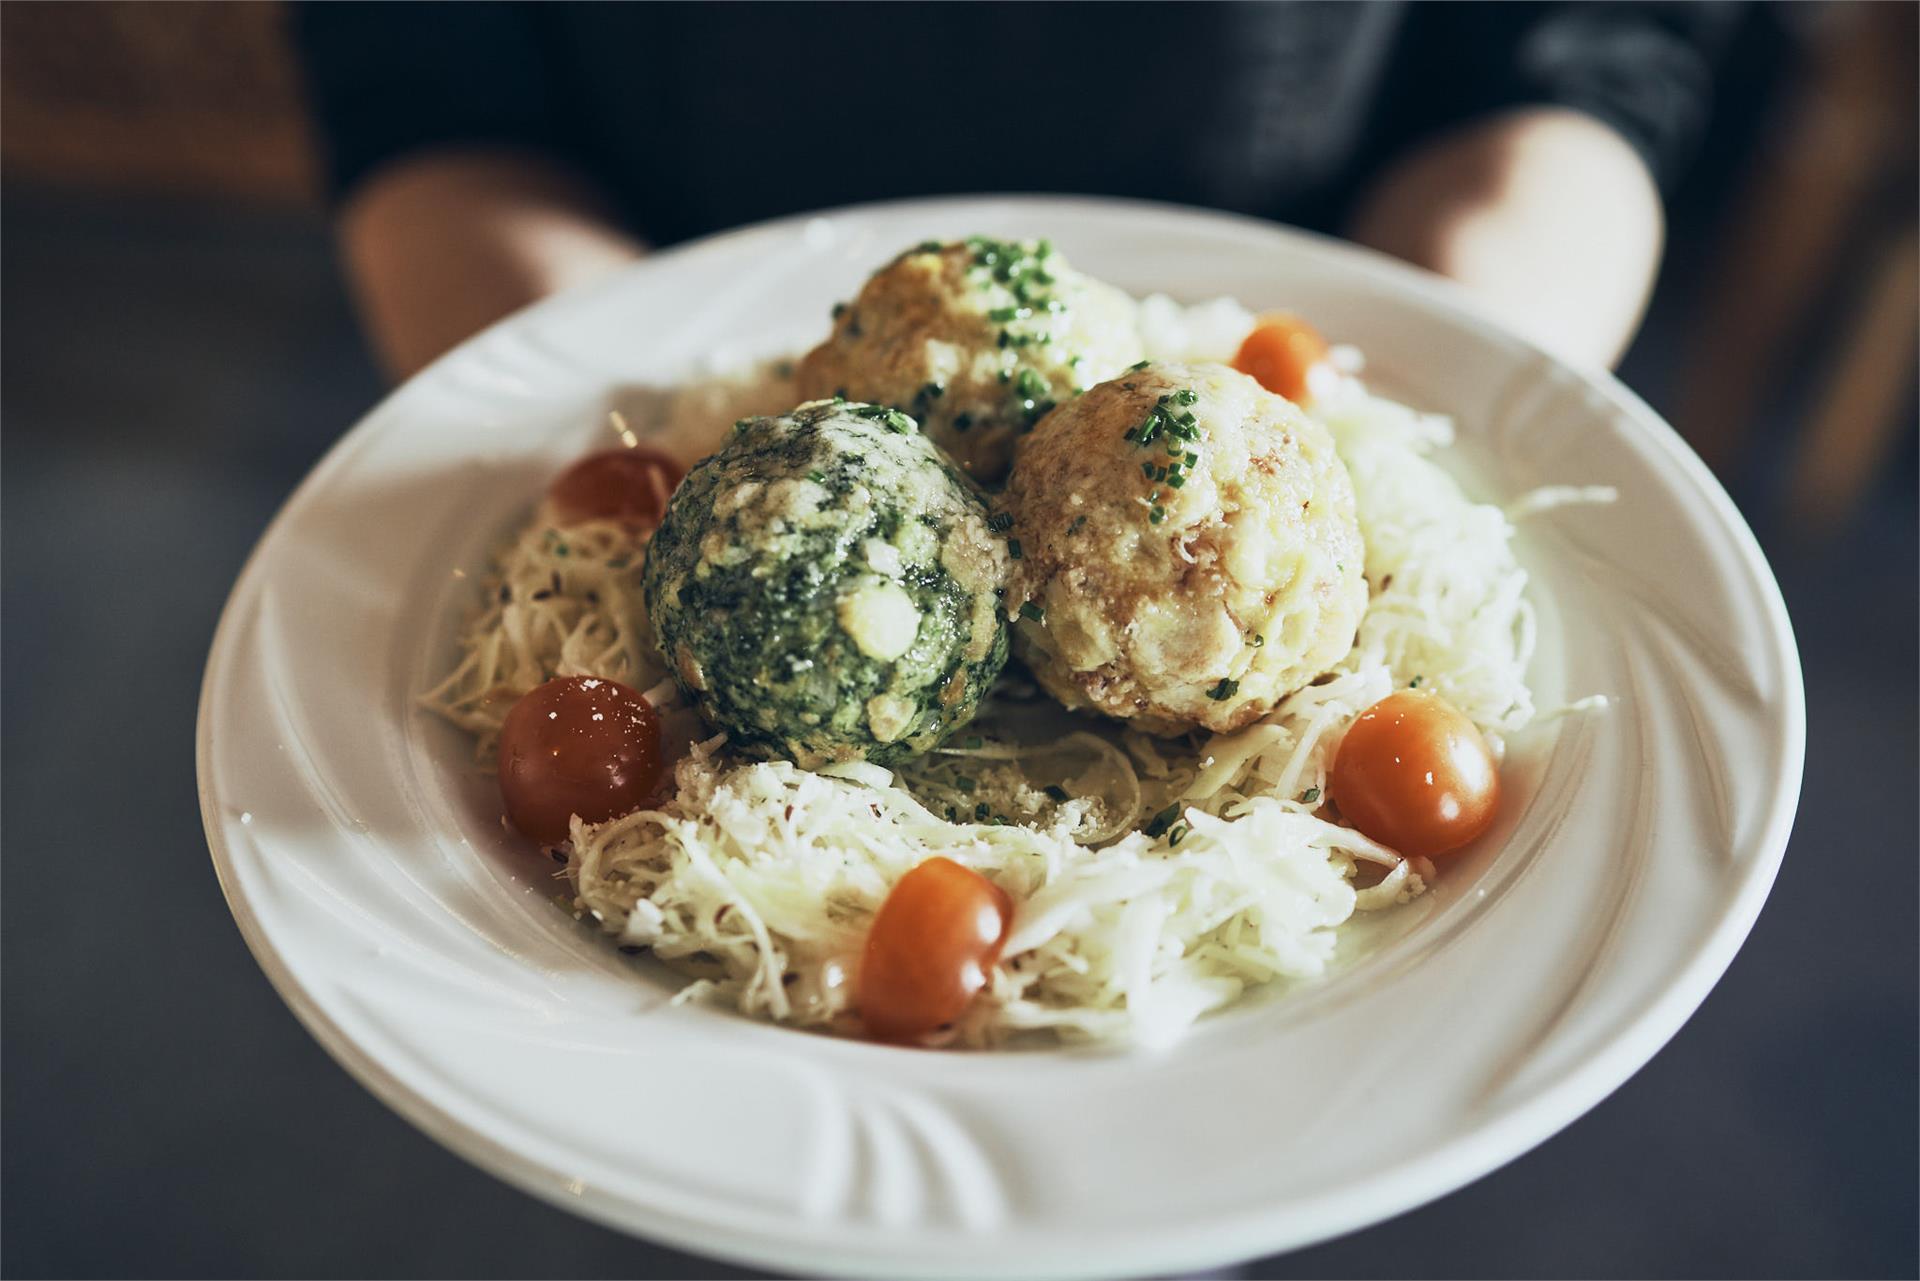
{"type": "Point", "coordinates": [1280, 354]}
{"type": "Point", "coordinates": [1415, 774]}
{"type": "Point", "coordinates": [577, 745]}
{"type": "Point", "coordinates": [628, 485]}
{"type": "Point", "coordinates": [930, 948]}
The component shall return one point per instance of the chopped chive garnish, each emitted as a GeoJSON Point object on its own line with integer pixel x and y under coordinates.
{"type": "Point", "coordinates": [1163, 820]}
{"type": "Point", "coordinates": [1013, 548]}
{"type": "Point", "coordinates": [1019, 269]}
{"type": "Point", "coordinates": [1033, 611]}
{"type": "Point", "coordinates": [1175, 428]}
{"type": "Point", "coordinates": [893, 419]}
{"type": "Point", "coordinates": [1224, 690]}
{"type": "Point", "coordinates": [818, 478]}
{"type": "Point", "coordinates": [1309, 796]}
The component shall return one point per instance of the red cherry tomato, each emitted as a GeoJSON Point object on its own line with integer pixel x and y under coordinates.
{"type": "Point", "coordinates": [1281, 353]}
{"type": "Point", "coordinates": [628, 485]}
{"type": "Point", "coordinates": [1415, 774]}
{"type": "Point", "coordinates": [577, 745]}
{"type": "Point", "coordinates": [930, 948]}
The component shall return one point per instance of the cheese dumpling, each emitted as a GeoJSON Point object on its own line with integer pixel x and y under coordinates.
{"type": "Point", "coordinates": [1189, 552]}
{"type": "Point", "coordinates": [977, 339]}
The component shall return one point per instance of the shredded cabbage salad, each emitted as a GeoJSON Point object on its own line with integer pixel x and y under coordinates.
{"type": "Point", "coordinates": [1154, 880]}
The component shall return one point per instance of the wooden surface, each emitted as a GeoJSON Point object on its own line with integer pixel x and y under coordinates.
{"type": "Point", "coordinates": [1817, 257]}
{"type": "Point", "coordinates": [196, 97]}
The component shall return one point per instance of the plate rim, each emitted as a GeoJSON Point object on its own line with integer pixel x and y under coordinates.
{"type": "Point", "coordinates": [1456, 1161]}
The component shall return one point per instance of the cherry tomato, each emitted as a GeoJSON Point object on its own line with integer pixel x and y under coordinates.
{"type": "Point", "coordinates": [577, 745]}
{"type": "Point", "coordinates": [1414, 773]}
{"type": "Point", "coordinates": [628, 485]}
{"type": "Point", "coordinates": [1280, 354]}
{"type": "Point", "coordinates": [931, 945]}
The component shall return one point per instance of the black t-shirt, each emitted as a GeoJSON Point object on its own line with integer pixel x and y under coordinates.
{"type": "Point", "coordinates": [697, 117]}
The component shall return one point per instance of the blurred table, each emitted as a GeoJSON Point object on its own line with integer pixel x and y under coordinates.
{"type": "Point", "coordinates": [169, 376]}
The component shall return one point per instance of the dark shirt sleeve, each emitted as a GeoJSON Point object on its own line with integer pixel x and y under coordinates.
{"type": "Point", "coordinates": [384, 79]}
{"type": "Point", "coordinates": [1646, 69]}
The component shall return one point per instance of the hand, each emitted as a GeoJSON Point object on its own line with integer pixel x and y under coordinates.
{"type": "Point", "coordinates": [441, 244]}
{"type": "Point", "coordinates": [1547, 216]}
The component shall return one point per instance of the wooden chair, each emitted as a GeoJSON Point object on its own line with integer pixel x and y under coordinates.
{"type": "Point", "coordinates": [1832, 190]}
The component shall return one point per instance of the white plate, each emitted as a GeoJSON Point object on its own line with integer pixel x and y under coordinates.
{"type": "Point", "coordinates": [363, 863]}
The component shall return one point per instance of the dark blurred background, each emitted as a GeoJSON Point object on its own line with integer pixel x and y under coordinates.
{"type": "Point", "coordinates": [178, 351]}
